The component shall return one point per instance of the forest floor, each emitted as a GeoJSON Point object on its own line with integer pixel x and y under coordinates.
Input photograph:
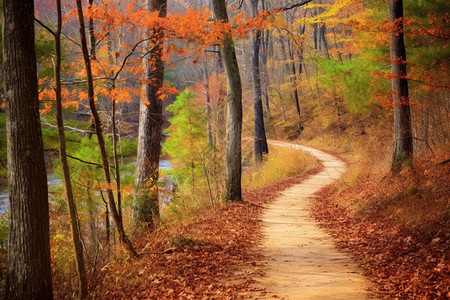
{"type": "Point", "coordinates": [237, 252]}
{"type": "Point", "coordinates": [213, 256]}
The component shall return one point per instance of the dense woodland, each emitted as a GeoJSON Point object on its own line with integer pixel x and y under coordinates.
{"type": "Point", "coordinates": [123, 86]}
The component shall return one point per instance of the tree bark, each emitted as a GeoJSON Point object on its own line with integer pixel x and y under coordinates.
{"type": "Point", "coordinates": [74, 223]}
{"type": "Point", "coordinates": [260, 141]}
{"type": "Point", "coordinates": [99, 132]}
{"type": "Point", "coordinates": [28, 265]}
{"type": "Point", "coordinates": [146, 206]}
{"type": "Point", "coordinates": [92, 40]}
{"type": "Point", "coordinates": [403, 144]}
{"type": "Point", "coordinates": [265, 73]}
{"type": "Point", "coordinates": [233, 190]}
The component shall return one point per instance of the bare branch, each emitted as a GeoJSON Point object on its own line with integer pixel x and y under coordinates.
{"type": "Point", "coordinates": [79, 159]}
{"type": "Point", "coordinates": [3, 165]}
{"type": "Point", "coordinates": [68, 127]}
{"type": "Point", "coordinates": [293, 5]}
{"type": "Point", "coordinates": [45, 26]}
{"type": "Point", "coordinates": [129, 55]}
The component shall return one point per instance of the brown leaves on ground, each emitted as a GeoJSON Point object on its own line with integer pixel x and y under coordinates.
{"type": "Point", "coordinates": [398, 229]}
{"type": "Point", "coordinates": [212, 257]}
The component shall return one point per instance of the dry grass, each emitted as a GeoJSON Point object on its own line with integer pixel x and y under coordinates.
{"type": "Point", "coordinates": [280, 164]}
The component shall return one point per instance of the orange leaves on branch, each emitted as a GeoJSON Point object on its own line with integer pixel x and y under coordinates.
{"type": "Point", "coordinates": [47, 108]}
{"type": "Point", "coordinates": [119, 95]}
{"type": "Point", "coordinates": [47, 94]}
{"type": "Point", "coordinates": [104, 186]}
{"type": "Point", "coordinates": [166, 90]}
{"type": "Point", "coordinates": [187, 33]}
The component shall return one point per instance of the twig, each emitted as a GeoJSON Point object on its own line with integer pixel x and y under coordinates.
{"type": "Point", "coordinates": [79, 159]}
{"type": "Point", "coordinates": [45, 27]}
{"type": "Point", "coordinates": [1, 162]}
{"type": "Point", "coordinates": [68, 127]}
{"type": "Point", "coordinates": [444, 161]}
{"type": "Point", "coordinates": [426, 142]}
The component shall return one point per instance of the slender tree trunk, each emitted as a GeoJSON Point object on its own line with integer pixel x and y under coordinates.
{"type": "Point", "coordinates": [294, 85]}
{"type": "Point", "coordinates": [116, 160]}
{"type": "Point", "coordinates": [208, 106]}
{"type": "Point", "coordinates": [99, 132]}
{"type": "Point", "coordinates": [92, 40]}
{"type": "Point", "coordinates": [266, 81]}
{"type": "Point", "coordinates": [116, 135]}
{"type": "Point", "coordinates": [260, 141]}
{"type": "Point", "coordinates": [28, 265]}
{"type": "Point", "coordinates": [233, 190]}
{"type": "Point", "coordinates": [403, 144]}
{"type": "Point", "coordinates": [74, 223]}
{"type": "Point", "coordinates": [286, 68]}
{"type": "Point", "coordinates": [146, 207]}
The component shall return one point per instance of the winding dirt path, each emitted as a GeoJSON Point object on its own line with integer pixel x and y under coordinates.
{"type": "Point", "coordinates": [301, 260]}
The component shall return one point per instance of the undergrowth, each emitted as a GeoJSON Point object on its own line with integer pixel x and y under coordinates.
{"type": "Point", "coordinates": [281, 163]}
{"type": "Point", "coordinates": [196, 249]}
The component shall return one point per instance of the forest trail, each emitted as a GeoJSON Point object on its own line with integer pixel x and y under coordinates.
{"type": "Point", "coordinates": [301, 261]}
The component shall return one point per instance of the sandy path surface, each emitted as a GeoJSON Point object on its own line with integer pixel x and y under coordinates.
{"type": "Point", "coordinates": [301, 260]}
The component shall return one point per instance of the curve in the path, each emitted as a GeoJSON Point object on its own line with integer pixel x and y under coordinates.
{"type": "Point", "coordinates": [301, 259]}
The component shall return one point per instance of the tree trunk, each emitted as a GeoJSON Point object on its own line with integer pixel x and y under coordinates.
{"type": "Point", "coordinates": [208, 106]}
{"type": "Point", "coordinates": [115, 133]}
{"type": "Point", "coordinates": [260, 141]}
{"type": "Point", "coordinates": [294, 85]}
{"type": "Point", "coordinates": [146, 207]}
{"type": "Point", "coordinates": [74, 223]}
{"type": "Point", "coordinates": [265, 73]}
{"type": "Point", "coordinates": [28, 267]}
{"type": "Point", "coordinates": [92, 40]}
{"type": "Point", "coordinates": [403, 144]}
{"type": "Point", "coordinates": [99, 132]}
{"type": "Point", "coordinates": [233, 191]}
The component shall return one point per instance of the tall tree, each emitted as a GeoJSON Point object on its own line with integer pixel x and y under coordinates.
{"type": "Point", "coordinates": [74, 225]}
{"type": "Point", "coordinates": [233, 189]}
{"type": "Point", "coordinates": [28, 271]}
{"type": "Point", "coordinates": [265, 35]}
{"type": "Point", "coordinates": [403, 145]}
{"type": "Point", "coordinates": [99, 132]}
{"type": "Point", "coordinates": [260, 141]}
{"type": "Point", "coordinates": [150, 122]}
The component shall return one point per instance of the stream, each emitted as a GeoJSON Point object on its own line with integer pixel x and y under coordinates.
{"type": "Point", "coordinates": [54, 180]}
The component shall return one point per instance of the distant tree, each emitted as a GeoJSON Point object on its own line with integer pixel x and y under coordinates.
{"type": "Point", "coordinates": [28, 271]}
{"type": "Point", "coordinates": [403, 144]}
{"type": "Point", "coordinates": [233, 189]}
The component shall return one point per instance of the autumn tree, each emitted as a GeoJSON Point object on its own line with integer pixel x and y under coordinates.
{"type": "Point", "coordinates": [74, 223]}
{"type": "Point", "coordinates": [403, 144]}
{"type": "Point", "coordinates": [28, 271]}
{"type": "Point", "coordinates": [99, 132]}
{"type": "Point", "coordinates": [150, 121]}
